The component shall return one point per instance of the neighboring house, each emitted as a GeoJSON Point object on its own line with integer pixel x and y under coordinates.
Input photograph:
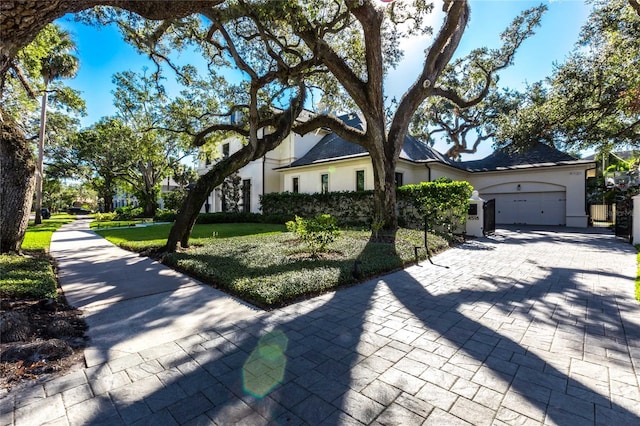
{"type": "Point", "coordinates": [124, 198]}
{"type": "Point", "coordinates": [542, 186]}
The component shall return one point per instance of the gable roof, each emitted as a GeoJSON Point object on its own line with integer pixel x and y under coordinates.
{"type": "Point", "coordinates": [509, 158]}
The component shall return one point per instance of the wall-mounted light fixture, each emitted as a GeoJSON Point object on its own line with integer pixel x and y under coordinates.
{"type": "Point", "coordinates": [519, 187]}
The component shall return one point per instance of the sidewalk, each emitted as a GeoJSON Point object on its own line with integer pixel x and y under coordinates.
{"type": "Point", "coordinates": [526, 327]}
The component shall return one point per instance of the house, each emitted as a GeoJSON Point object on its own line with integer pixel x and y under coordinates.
{"type": "Point", "coordinates": [541, 186]}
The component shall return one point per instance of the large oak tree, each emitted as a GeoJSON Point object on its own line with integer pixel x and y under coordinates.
{"type": "Point", "coordinates": [358, 41]}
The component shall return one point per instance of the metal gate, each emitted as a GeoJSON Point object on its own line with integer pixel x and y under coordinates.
{"type": "Point", "coordinates": [624, 219]}
{"type": "Point", "coordinates": [489, 225]}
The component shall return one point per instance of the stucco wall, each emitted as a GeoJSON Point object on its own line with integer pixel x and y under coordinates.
{"type": "Point", "coordinates": [570, 179]}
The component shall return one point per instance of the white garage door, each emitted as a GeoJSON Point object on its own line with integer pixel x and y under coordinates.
{"type": "Point", "coordinates": [530, 208]}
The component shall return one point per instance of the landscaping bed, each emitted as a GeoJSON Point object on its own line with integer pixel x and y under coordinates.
{"type": "Point", "coordinates": [276, 268]}
{"type": "Point", "coordinates": [40, 334]}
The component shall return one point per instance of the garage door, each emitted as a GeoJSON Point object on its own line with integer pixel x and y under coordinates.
{"type": "Point", "coordinates": [530, 208]}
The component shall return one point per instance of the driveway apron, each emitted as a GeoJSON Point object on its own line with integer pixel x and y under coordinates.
{"type": "Point", "coordinates": [528, 326]}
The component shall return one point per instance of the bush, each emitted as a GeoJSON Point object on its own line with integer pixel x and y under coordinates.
{"type": "Point", "coordinates": [443, 202]}
{"type": "Point", "coordinates": [128, 213]}
{"type": "Point", "coordinates": [105, 217]}
{"type": "Point", "coordinates": [348, 208]}
{"type": "Point", "coordinates": [225, 217]}
{"type": "Point", "coordinates": [165, 216]}
{"type": "Point", "coordinates": [317, 233]}
{"type": "Point", "coordinates": [231, 217]}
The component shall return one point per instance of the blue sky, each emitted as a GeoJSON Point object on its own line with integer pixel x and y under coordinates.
{"type": "Point", "coordinates": [102, 52]}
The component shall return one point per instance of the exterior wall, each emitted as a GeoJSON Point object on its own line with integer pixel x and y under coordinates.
{"type": "Point", "coordinates": [570, 179]}
{"type": "Point", "coordinates": [294, 147]}
{"type": "Point", "coordinates": [440, 170]}
{"type": "Point", "coordinates": [342, 176]}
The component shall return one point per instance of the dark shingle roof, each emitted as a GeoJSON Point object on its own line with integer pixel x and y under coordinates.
{"type": "Point", "coordinates": [333, 147]}
{"type": "Point", "coordinates": [539, 155]}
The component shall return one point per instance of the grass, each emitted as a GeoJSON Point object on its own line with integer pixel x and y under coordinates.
{"type": "Point", "coordinates": [268, 267]}
{"type": "Point", "coordinates": [117, 223]}
{"type": "Point", "coordinates": [31, 276]}
{"type": "Point", "coordinates": [38, 237]}
{"type": "Point", "coordinates": [155, 236]}
{"type": "Point", "coordinates": [27, 276]}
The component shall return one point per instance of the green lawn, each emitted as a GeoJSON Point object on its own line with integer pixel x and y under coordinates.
{"type": "Point", "coordinates": [155, 236]}
{"type": "Point", "coordinates": [268, 267]}
{"type": "Point", "coordinates": [38, 237]}
{"type": "Point", "coordinates": [31, 276]}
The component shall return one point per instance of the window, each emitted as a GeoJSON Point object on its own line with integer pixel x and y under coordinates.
{"type": "Point", "coordinates": [360, 180]}
{"type": "Point", "coordinates": [246, 195]}
{"type": "Point", "coordinates": [207, 160]}
{"type": "Point", "coordinates": [324, 183]}
{"type": "Point", "coordinates": [225, 150]}
{"type": "Point", "coordinates": [399, 179]}
{"type": "Point", "coordinates": [296, 185]}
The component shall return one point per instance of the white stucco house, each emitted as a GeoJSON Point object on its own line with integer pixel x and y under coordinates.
{"type": "Point", "coordinates": [541, 186]}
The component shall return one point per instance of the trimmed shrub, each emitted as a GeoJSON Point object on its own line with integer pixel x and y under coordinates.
{"type": "Point", "coordinates": [443, 202]}
{"type": "Point", "coordinates": [105, 217]}
{"type": "Point", "coordinates": [129, 212]}
{"type": "Point", "coordinates": [164, 215]}
{"type": "Point", "coordinates": [348, 208]}
{"type": "Point", "coordinates": [317, 233]}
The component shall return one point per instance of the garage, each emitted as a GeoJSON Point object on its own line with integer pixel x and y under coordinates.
{"type": "Point", "coordinates": [530, 208]}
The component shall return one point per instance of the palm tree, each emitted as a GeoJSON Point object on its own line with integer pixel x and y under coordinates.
{"type": "Point", "coordinates": [59, 63]}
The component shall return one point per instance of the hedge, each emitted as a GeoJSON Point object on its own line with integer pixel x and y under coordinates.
{"type": "Point", "coordinates": [443, 202]}
{"type": "Point", "coordinates": [349, 208]}
{"type": "Point", "coordinates": [225, 217]}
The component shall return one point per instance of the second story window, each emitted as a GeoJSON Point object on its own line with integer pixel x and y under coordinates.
{"type": "Point", "coordinates": [225, 150]}
{"type": "Point", "coordinates": [360, 180]}
{"type": "Point", "coordinates": [324, 183]}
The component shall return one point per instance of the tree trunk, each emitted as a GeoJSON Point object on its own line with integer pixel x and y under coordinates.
{"type": "Point", "coordinates": [40, 165]}
{"type": "Point", "coordinates": [17, 182]}
{"type": "Point", "coordinates": [188, 213]}
{"type": "Point", "coordinates": [384, 195]}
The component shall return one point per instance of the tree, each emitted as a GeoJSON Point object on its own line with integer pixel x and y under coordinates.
{"type": "Point", "coordinates": [107, 150]}
{"type": "Point", "coordinates": [58, 63]}
{"type": "Point", "coordinates": [20, 22]}
{"type": "Point", "coordinates": [19, 120]}
{"type": "Point", "coordinates": [358, 40]}
{"type": "Point", "coordinates": [143, 107]}
{"type": "Point", "coordinates": [269, 97]}
{"type": "Point", "coordinates": [463, 128]}
{"type": "Point", "coordinates": [593, 99]}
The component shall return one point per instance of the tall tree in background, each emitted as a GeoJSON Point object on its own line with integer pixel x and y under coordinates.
{"type": "Point", "coordinates": [107, 150]}
{"type": "Point", "coordinates": [142, 106]}
{"type": "Point", "coordinates": [57, 64]}
{"type": "Point", "coordinates": [593, 99]}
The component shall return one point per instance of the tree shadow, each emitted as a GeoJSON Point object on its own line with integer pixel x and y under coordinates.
{"type": "Point", "coordinates": [387, 350]}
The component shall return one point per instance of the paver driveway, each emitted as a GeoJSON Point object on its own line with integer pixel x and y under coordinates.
{"type": "Point", "coordinates": [526, 327]}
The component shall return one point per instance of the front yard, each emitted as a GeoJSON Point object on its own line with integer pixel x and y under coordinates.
{"type": "Point", "coordinates": [266, 266]}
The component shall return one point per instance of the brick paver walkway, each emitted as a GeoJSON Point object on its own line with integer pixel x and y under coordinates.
{"type": "Point", "coordinates": [527, 327]}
